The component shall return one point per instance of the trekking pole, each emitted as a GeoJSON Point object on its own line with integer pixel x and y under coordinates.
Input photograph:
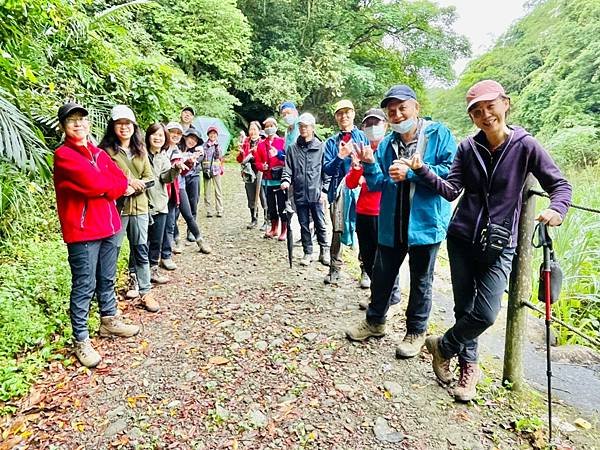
{"type": "Point", "coordinates": [545, 242]}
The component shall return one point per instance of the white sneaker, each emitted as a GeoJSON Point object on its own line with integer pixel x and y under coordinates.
{"type": "Point", "coordinates": [306, 260]}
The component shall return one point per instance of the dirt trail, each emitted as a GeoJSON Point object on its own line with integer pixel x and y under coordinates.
{"type": "Point", "coordinates": [248, 354]}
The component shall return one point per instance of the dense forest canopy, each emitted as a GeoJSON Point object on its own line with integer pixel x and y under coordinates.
{"type": "Point", "coordinates": [233, 60]}
{"type": "Point", "coordinates": [549, 63]}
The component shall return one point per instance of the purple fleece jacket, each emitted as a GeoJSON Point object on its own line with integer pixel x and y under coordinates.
{"type": "Point", "coordinates": [522, 155]}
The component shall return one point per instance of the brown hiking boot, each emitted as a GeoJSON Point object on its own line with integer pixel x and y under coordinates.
{"type": "Point", "coordinates": [410, 345]}
{"type": "Point", "coordinates": [86, 354]}
{"type": "Point", "coordinates": [113, 326]}
{"type": "Point", "coordinates": [149, 302]}
{"type": "Point", "coordinates": [466, 389]}
{"type": "Point", "coordinates": [365, 330]}
{"type": "Point", "coordinates": [441, 366]}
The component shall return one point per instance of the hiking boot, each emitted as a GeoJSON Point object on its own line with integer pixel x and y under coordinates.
{"type": "Point", "coordinates": [324, 256]}
{"type": "Point", "coordinates": [365, 281]}
{"type": "Point", "coordinates": [204, 247]}
{"type": "Point", "coordinates": [176, 249]}
{"type": "Point", "coordinates": [332, 277]}
{"type": "Point", "coordinates": [220, 214]}
{"type": "Point", "coordinates": [264, 226]}
{"type": "Point", "coordinates": [168, 264]}
{"type": "Point", "coordinates": [283, 234]}
{"type": "Point", "coordinates": [209, 215]}
{"type": "Point", "coordinates": [273, 231]}
{"type": "Point", "coordinates": [113, 326]}
{"type": "Point", "coordinates": [365, 330]}
{"type": "Point", "coordinates": [364, 304]}
{"type": "Point", "coordinates": [306, 260]}
{"type": "Point", "coordinates": [441, 365]}
{"type": "Point", "coordinates": [253, 224]}
{"type": "Point", "coordinates": [157, 277]}
{"type": "Point", "coordinates": [466, 389]}
{"type": "Point", "coordinates": [149, 302]}
{"type": "Point", "coordinates": [190, 237]}
{"type": "Point", "coordinates": [86, 354]}
{"type": "Point", "coordinates": [410, 345]}
{"type": "Point", "coordinates": [133, 289]}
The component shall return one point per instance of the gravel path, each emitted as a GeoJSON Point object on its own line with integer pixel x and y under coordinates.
{"type": "Point", "coordinates": [249, 354]}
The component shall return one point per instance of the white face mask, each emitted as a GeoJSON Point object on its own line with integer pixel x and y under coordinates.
{"type": "Point", "coordinates": [270, 131]}
{"type": "Point", "coordinates": [375, 133]}
{"type": "Point", "coordinates": [289, 119]}
{"type": "Point", "coordinates": [403, 127]}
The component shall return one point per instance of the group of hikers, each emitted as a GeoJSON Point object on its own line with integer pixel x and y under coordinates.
{"type": "Point", "coordinates": [130, 184]}
{"type": "Point", "coordinates": [390, 181]}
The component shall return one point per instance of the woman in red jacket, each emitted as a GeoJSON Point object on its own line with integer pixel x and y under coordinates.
{"type": "Point", "coordinates": [270, 160]}
{"type": "Point", "coordinates": [87, 183]}
{"type": "Point", "coordinates": [247, 158]}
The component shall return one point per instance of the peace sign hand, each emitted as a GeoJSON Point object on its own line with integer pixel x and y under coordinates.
{"type": "Point", "coordinates": [365, 153]}
{"type": "Point", "coordinates": [414, 162]}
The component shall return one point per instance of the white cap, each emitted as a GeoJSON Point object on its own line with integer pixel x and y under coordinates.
{"type": "Point", "coordinates": [307, 119]}
{"type": "Point", "coordinates": [122, 112]}
{"type": "Point", "coordinates": [174, 126]}
{"type": "Point", "coordinates": [270, 120]}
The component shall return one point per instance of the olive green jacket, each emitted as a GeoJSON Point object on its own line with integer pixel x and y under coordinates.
{"type": "Point", "coordinates": [137, 168]}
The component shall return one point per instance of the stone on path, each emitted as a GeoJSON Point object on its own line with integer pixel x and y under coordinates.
{"type": "Point", "coordinates": [384, 433]}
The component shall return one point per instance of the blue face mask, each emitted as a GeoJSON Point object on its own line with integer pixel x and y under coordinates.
{"type": "Point", "coordinates": [289, 119]}
{"type": "Point", "coordinates": [403, 127]}
{"type": "Point", "coordinates": [270, 131]}
{"type": "Point", "coordinates": [375, 133]}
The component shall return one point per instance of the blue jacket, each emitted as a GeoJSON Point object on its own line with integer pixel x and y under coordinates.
{"type": "Point", "coordinates": [429, 212]}
{"type": "Point", "coordinates": [333, 165]}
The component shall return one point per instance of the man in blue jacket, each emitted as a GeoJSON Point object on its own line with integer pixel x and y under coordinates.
{"type": "Point", "coordinates": [413, 218]}
{"type": "Point", "coordinates": [336, 164]}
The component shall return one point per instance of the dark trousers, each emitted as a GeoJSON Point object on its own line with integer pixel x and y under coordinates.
{"type": "Point", "coordinates": [93, 270]}
{"type": "Point", "coordinates": [156, 233]}
{"type": "Point", "coordinates": [305, 212]}
{"type": "Point", "coordinates": [276, 199]}
{"type": "Point", "coordinates": [192, 188]}
{"type": "Point", "coordinates": [186, 211]}
{"type": "Point", "coordinates": [478, 292]}
{"type": "Point", "coordinates": [421, 263]}
{"type": "Point", "coordinates": [366, 231]}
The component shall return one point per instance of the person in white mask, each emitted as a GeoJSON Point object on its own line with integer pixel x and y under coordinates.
{"type": "Point", "coordinates": [374, 125]}
{"type": "Point", "coordinates": [413, 219]}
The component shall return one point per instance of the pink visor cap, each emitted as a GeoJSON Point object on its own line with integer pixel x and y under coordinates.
{"type": "Point", "coordinates": [484, 91]}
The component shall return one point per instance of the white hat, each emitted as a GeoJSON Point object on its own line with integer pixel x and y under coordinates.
{"type": "Point", "coordinates": [122, 112]}
{"type": "Point", "coordinates": [174, 126]}
{"type": "Point", "coordinates": [307, 119]}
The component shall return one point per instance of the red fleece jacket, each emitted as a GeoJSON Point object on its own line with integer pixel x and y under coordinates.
{"type": "Point", "coordinates": [87, 183]}
{"type": "Point", "coordinates": [368, 201]}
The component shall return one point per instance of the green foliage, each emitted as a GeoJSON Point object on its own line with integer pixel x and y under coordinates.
{"type": "Point", "coordinates": [318, 52]}
{"type": "Point", "coordinates": [549, 64]}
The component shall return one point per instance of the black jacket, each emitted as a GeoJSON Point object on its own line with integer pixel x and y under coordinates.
{"type": "Point", "coordinates": [304, 171]}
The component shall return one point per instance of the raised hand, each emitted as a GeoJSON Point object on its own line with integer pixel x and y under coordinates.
{"type": "Point", "coordinates": [365, 153]}
{"type": "Point", "coordinates": [345, 149]}
{"type": "Point", "coordinates": [414, 162]}
{"type": "Point", "coordinates": [398, 171]}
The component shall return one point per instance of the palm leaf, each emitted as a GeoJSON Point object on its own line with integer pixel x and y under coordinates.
{"type": "Point", "coordinates": [19, 142]}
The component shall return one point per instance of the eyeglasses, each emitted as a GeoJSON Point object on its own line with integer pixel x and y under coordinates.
{"type": "Point", "coordinates": [75, 120]}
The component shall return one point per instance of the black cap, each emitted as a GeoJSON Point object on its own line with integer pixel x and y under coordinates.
{"type": "Point", "coordinates": [190, 109]}
{"type": "Point", "coordinates": [191, 131]}
{"type": "Point", "coordinates": [398, 92]}
{"type": "Point", "coordinates": [69, 108]}
{"type": "Point", "coordinates": [374, 112]}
